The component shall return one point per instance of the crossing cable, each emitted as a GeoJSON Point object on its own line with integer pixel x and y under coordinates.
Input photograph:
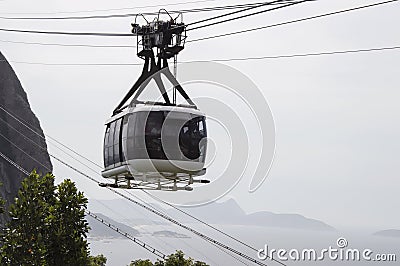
{"type": "Point", "coordinates": [110, 9]}
{"type": "Point", "coordinates": [389, 48]}
{"type": "Point", "coordinates": [132, 46]}
{"type": "Point", "coordinates": [197, 219]}
{"type": "Point", "coordinates": [200, 39]}
{"type": "Point", "coordinates": [226, 252]}
{"type": "Point", "coordinates": [294, 21]}
{"type": "Point", "coordinates": [160, 213]}
{"type": "Point", "coordinates": [99, 34]}
{"type": "Point", "coordinates": [39, 146]}
{"type": "Point", "coordinates": [183, 11]}
{"type": "Point", "coordinates": [220, 248]}
{"type": "Point", "coordinates": [70, 45]}
{"type": "Point", "coordinates": [130, 35]}
{"type": "Point", "coordinates": [298, 55]}
{"type": "Point", "coordinates": [39, 135]}
{"type": "Point", "coordinates": [132, 238]}
{"type": "Point", "coordinates": [14, 164]}
{"type": "Point", "coordinates": [243, 16]}
{"type": "Point", "coordinates": [24, 152]}
{"type": "Point", "coordinates": [201, 235]}
{"type": "Point", "coordinates": [242, 10]}
{"type": "Point", "coordinates": [103, 221]}
{"type": "Point", "coordinates": [230, 33]}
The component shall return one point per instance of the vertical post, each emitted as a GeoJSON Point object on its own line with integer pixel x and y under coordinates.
{"type": "Point", "coordinates": [175, 73]}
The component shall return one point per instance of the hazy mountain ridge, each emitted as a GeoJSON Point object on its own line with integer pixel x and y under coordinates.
{"type": "Point", "coordinates": [388, 233]}
{"type": "Point", "coordinates": [171, 234]}
{"type": "Point", "coordinates": [228, 212]}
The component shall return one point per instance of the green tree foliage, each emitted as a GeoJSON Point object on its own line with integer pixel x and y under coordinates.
{"type": "Point", "coordinates": [98, 260]}
{"type": "Point", "coordinates": [47, 225]}
{"type": "Point", "coordinates": [27, 234]}
{"type": "Point", "coordinates": [68, 227]}
{"type": "Point", "coordinates": [176, 259]}
{"type": "Point", "coordinates": [141, 263]}
{"type": "Point", "coordinates": [2, 202]}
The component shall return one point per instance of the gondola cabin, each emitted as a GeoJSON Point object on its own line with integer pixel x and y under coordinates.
{"type": "Point", "coordinates": [150, 143]}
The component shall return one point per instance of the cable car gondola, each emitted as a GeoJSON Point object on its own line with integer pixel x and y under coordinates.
{"type": "Point", "coordinates": [156, 145]}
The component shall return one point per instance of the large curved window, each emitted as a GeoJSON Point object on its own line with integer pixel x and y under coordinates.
{"type": "Point", "coordinates": [112, 143]}
{"type": "Point", "coordinates": [166, 135]}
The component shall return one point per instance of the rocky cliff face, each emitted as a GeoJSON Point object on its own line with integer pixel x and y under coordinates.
{"type": "Point", "coordinates": [24, 146]}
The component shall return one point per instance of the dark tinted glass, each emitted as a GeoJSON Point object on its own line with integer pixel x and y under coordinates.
{"type": "Point", "coordinates": [192, 132]}
{"type": "Point", "coordinates": [105, 151]}
{"type": "Point", "coordinates": [124, 135]}
{"type": "Point", "coordinates": [144, 142]}
{"type": "Point", "coordinates": [112, 143]}
{"type": "Point", "coordinates": [117, 136]}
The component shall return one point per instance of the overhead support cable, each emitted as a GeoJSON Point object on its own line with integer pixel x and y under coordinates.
{"type": "Point", "coordinates": [379, 49]}
{"type": "Point", "coordinates": [294, 21]}
{"type": "Point", "coordinates": [100, 34]}
{"type": "Point", "coordinates": [36, 132]}
{"type": "Point", "coordinates": [243, 16]}
{"type": "Point", "coordinates": [109, 9]}
{"type": "Point", "coordinates": [195, 40]}
{"type": "Point", "coordinates": [257, 5]}
{"type": "Point", "coordinates": [183, 11]}
{"type": "Point", "coordinates": [69, 45]}
{"type": "Point", "coordinates": [198, 220]}
{"type": "Point", "coordinates": [14, 164]}
{"type": "Point", "coordinates": [125, 234]}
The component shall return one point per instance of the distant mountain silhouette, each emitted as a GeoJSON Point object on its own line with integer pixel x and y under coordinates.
{"type": "Point", "coordinates": [388, 233]}
{"type": "Point", "coordinates": [167, 233]}
{"type": "Point", "coordinates": [228, 212]}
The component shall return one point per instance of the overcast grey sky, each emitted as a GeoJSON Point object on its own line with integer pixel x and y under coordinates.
{"type": "Point", "coordinates": [337, 116]}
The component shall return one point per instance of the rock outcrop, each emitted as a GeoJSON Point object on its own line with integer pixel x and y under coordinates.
{"type": "Point", "coordinates": [25, 146]}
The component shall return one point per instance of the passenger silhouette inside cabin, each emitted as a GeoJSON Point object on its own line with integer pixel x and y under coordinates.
{"type": "Point", "coordinates": [189, 140]}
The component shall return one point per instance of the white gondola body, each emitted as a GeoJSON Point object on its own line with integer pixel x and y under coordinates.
{"type": "Point", "coordinates": [147, 143]}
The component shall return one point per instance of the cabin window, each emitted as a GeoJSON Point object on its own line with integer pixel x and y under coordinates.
{"type": "Point", "coordinates": [106, 163]}
{"type": "Point", "coordinates": [192, 132]}
{"type": "Point", "coordinates": [141, 136]}
{"type": "Point", "coordinates": [124, 136]}
{"type": "Point", "coordinates": [117, 131]}
{"type": "Point", "coordinates": [112, 143]}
